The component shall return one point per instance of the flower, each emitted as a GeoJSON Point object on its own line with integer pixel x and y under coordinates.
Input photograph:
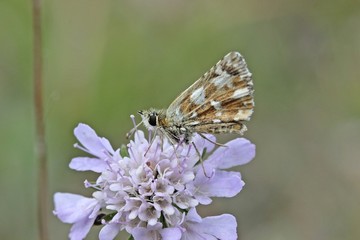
{"type": "Point", "coordinates": [151, 188]}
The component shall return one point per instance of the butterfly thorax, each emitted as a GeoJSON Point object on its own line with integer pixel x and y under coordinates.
{"type": "Point", "coordinates": [156, 120]}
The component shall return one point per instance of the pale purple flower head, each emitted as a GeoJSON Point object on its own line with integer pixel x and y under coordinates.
{"type": "Point", "coordinates": [151, 190]}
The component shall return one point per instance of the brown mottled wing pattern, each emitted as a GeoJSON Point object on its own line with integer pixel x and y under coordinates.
{"type": "Point", "coordinates": [219, 101]}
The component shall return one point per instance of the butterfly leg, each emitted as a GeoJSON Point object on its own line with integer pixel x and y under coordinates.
{"type": "Point", "coordinates": [172, 139]}
{"type": "Point", "coordinates": [216, 143]}
{"type": "Point", "coordinates": [151, 142]}
{"type": "Point", "coordinates": [201, 161]}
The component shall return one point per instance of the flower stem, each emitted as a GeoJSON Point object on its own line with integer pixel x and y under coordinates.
{"type": "Point", "coordinates": [40, 126]}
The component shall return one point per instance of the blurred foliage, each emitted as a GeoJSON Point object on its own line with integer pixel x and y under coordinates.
{"type": "Point", "coordinates": [104, 60]}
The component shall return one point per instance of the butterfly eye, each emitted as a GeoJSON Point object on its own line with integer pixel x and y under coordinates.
{"type": "Point", "coordinates": [152, 119]}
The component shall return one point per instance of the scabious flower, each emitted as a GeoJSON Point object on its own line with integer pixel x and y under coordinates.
{"type": "Point", "coordinates": [151, 188]}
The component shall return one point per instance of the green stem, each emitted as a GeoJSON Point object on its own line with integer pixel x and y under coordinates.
{"type": "Point", "coordinates": [40, 126]}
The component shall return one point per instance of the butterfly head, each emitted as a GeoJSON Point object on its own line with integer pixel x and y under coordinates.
{"type": "Point", "coordinates": [151, 118]}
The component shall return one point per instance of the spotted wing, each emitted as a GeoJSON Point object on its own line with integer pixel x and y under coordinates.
{"type": "Point", "coordinates": [220, 100]}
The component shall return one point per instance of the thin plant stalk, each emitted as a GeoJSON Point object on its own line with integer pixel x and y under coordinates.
{"type": "Point", "coordinates": [40, 126]}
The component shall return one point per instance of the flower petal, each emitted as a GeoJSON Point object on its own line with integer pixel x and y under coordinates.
{"type": "Point", "coordinates": [88, 164]}
{"type": "Point", "coordinates": [90, 140]}
{"type": "Point", "coordinates": [202, 143]}
{"type": "Point", "coordinates": [141, 233]}
{"type": "Point", "coordinates": [237, 152]}
{"type": "Point", "coordinates": [80, 229]}
{"type": "Point", "coordinates": [221, 184]}
{"type": "Point", "coordinates": [71, 208]}
{"type": "Point", "coordinates": [109, 231]}
{"type": "Point", "coordinates": [193, 216]}
{"type": "Point", "coordinates": [222, 227]}
{"type": "Point", "coordinates": [209, 228]}
{"type": "Point", "coordinates": [149, 233]}
{"type": "Point", "coordinates": [170, 234]}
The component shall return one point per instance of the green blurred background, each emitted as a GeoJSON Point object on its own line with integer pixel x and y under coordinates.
{"type": "Point", "coordinates": [104, 60]}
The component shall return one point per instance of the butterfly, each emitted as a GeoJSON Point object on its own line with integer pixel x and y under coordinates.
{"type": "Point", "coordinates": [218, 102]}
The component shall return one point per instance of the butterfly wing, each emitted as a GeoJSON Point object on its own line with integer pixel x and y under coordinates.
{"type": "Point", "coordinates": [220, 100]}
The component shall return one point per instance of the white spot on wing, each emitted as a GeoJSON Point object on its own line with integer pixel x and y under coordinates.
{"type": "Point", "coordinates": [193, 115]}
{"type": "Point", "coordinates": [240, 93]}
{"type": "Point", "coordinates": [243, 129]}
{"type": "Point", "coordinates": [218, 70]}
{"type": "Point", "coordinates": [198, 96]}
{"type": "Point", "coordinates": [215, 104]}
{"type": "Point", "coordinates": [194, 123]}
{"type": "Point", "coordinates": [220, 81]}
{"type": "Point", "coordinates": [177, 111]}
{"type": "Point", "coordinates": [243, 114]}
{"type": "Point", "coordinates": [216, 121]}
{"type": "Point", "coordinates": [178, 116]}
{"type": "Point", "coordinates": [246, 74]}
